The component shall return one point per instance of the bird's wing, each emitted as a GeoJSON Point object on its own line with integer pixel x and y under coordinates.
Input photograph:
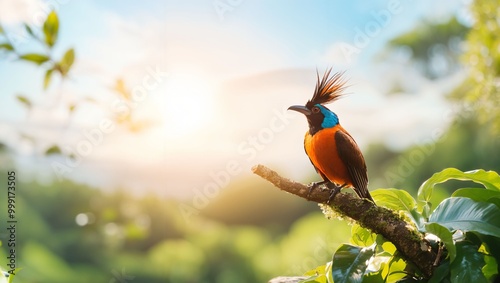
{"type": "Point", "coordinates": [350, 154]}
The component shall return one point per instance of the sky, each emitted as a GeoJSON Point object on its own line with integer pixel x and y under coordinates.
{"type": "Point", "coordinates": [212, 80]}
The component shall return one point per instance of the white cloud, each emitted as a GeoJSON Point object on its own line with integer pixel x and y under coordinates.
{"type": "Point", "coordinates": [17, 11]}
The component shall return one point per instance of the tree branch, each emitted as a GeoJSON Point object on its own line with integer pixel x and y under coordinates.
{"type": "Point", "coordinates": [409, 242]}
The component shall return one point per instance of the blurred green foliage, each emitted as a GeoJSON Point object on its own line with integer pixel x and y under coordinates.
{"type": "Point", "coordinates": [482, 88]}
{"type": "Point", "coordinates": [148, 238]}
{"type": "Point", "coordinates": [434, 46]}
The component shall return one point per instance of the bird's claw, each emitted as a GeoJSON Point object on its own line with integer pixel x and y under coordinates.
{"type": "Point", "coordinates": [334, 190]}
{"type": "Point", "coordinates": [315, 185]}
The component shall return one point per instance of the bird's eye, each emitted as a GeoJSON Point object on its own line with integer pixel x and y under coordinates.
{"type": "Point", "coordinates": [315, 109]}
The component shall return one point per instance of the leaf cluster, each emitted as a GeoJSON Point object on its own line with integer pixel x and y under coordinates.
{"type": "Point", "coordinates": [464, 228]}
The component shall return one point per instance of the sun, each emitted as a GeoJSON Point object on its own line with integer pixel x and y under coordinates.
{"type": "Point", "coordinates": [187, 104]}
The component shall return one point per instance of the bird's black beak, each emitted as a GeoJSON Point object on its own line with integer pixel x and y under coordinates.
{"type": "Point", "coordinates": [301, 109]}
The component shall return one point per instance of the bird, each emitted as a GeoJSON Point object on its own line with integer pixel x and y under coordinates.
{"type": "Point", "coordinates": [331, 149]}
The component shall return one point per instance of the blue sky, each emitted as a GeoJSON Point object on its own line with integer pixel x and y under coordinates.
{"type": "Point", "coordinates": [229, 74]}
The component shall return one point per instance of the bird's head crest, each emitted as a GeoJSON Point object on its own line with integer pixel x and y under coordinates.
{"type": "Point", "coordinates": [329, 89]}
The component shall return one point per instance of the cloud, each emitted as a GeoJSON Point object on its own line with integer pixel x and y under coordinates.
{"type": "Point", "coordinates": [18, 11]}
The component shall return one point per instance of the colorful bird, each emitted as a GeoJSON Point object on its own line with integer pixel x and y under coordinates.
{"type": "Point", "coordinates": [330, 148]}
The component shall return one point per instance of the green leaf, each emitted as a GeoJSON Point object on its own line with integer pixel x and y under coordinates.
{"type": "Point", "coordinates": [24, 100]}
{"type": "Point", "coordinates": [394, 199]}
{"type": "Point", "coordinates": [490, 244]}
{"type": "Point", "coordinates": [459, 213]}
{"type": "Point", "coordinates": [396, 267]}
{"type": "Point", "coordinates": [51, 28]}
{"type": "Point", "coordinates": [318, 270]}
{"type": "Point", "coordinates": [350, 262]}
{"type": "Point", "coordinates": [361, 236]}
{"type": "Point", "coordinates": [319, 278]}
{"type": "Point", "coordinates": [29, 30]}
{"type": "Point", "coordinates": [67, 61]}
{"type": "Point", "coordinates": [490, 269]}
{"type": "Point", "coordinates": [35, 58]}
{"type": "Point", "coordinates": [46, 80]}
{"type": "Point", "coordinates": [446, 237]}
{"type": "Point", "coordinates": [2, 31]}
{"type": "Point", "coordinates": [328, 270]}
{"type": "Point", "coordinates": [489, 179]}
{"type": "Point", "coordinates": [6, 46]}
{"type": "Point", "coordinates": [441, 272]}
{"type": "Point", "coordinates": [468, 264]}
{"type": "Point", "coordinates": [53, 150]}
{"type": "Point", "coordinates": [373, 277]}
{"type": "Point", "coordinates": [399, 200]}
{"type": "Point", "coordinates": [11, 276]}
{"type": "Point", "coordinates": [477, 194]}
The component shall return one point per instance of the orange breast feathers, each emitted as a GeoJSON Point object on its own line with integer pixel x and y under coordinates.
{"type": "Point", "coordinates": [322, 151]}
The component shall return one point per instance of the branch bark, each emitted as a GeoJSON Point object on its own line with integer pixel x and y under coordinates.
{"type": "Point", "coordinates": [409, 242]}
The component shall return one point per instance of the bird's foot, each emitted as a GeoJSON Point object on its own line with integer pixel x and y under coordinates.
{"type": "Point", "coordinates": [334, 190]}
{"type": "Point", "coordinates": [315, 185]}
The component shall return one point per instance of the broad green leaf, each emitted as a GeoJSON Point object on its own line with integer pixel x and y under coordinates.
{"type": "Point", "coordinates": [67, 61]}
{"type": "Point", "coordinates": [24, 100]}
{"type": "Point", "coordinates": [328, 270]}
{"type": "Point", "coordinates": [446, 237]}
{"type": "Point", "coordinates": [53, 150]}
{"type": "Point", "coordinates": [384, 247]}
{"type": "Point", "coordinates": [407, 279]}
{"type": "Point", "coordinates": [320, 278]}
{"type": "Point", "coordinates": [394, 199]}
{"type": "Point", "coordinates": [459, 213]}
{"type": "Point", "coordinates": [477, 194]}
{"type": "Point", "coordinates": [51, 28]}
{"type": "Point", "coordinates": [48, 76]}
{"type": "Point", "coordinates": [361, 236]}
{"type": "Point", "coordinates": [35, 58]}
{"type": "Point", "coordinates": [468, 264]}
{"type": "Point", "coordinates": [11, 276]}
{"type": "Point", "coordinates": [396, 265]}
{"type": "Point", "coordinates": [490, 269]}
{"type": "Point", "coordinates": [6, 46]}
{"type": "Point", "coordinates": [318, 270]}
{"type": "Point", "coordinates": [489, 179]}
{"type": "Point", "coordinates": [495, 201]}
{"type": "Point", "coordinates": [418, 219]}
{"type": "Point", "coordinates": [491, 245]}
{"type": "Point", "coordinates": [441, 273]}
{"type": "Point", "coordinates": [373, 277]}
{"type": "Point", "coordinates": [313, 279]}
{"type": "Point", "coordinates": [350, 262]}
{"type": "Point", "coordinates": [399, 200]}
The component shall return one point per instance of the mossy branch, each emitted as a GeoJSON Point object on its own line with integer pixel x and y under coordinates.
{"type": "Point", "coordinates": [409, 242]}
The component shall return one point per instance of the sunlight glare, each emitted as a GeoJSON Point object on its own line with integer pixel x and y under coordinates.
{"type": "Point", "coordinates": [188, 104]}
